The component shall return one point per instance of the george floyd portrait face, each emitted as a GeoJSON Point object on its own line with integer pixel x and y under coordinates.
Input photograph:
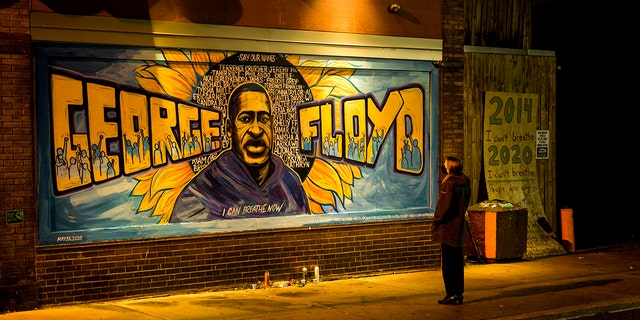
{"type": "Point", "coordinates": [251, 128]}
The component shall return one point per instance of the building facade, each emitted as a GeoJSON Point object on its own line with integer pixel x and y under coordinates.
{"type": "Point", "coordinates": [73, 80]}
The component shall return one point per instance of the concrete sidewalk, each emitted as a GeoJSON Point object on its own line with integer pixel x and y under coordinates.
{"type": "Point", "coordinates": [589, 284]}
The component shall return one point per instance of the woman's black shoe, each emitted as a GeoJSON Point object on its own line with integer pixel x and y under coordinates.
{"type": "Point", "coordinates": [454, 299]}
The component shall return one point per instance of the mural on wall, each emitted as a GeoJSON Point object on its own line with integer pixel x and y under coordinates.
{"type": "Point", "coordinates": [139, 142]}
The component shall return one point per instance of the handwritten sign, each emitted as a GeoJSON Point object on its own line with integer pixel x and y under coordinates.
{"type": "Point", "coordinates": [509, 144]}
{"type": "Point", "coordinates": [510, 153]}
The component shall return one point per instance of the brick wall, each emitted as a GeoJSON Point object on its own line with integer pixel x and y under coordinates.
{"type": "Point", "coordinates": [17, 191]}
{"type": "Point", "coordinates": [115, 270]}
{"type": "Point", "coordinates": [452, 80]}
{"type": "Point", "coordinates": [31, 275]}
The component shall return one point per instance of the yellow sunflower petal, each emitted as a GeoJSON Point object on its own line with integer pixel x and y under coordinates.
{"type": "Point", "coordinates": [142, 187]}
{"type": "Point", "coordinates": [344, 172]}
{"type": "Point", "coordinates": [315, 207]}
{"type": "Point", "coordinates": [148, 82]}
{"type": "Point", "coordinates": [320, 93]}
{"type": "Point", "coordinates": [148, 201]}
{"type": "Point", "coordinates": [200, 61]}
{"type": "Point", "coordinates": [347, 191]}
{"type": "Point", "coordinates": [216, 56]}
{"type": "Point", "coordinates": [146, 175]}
{"type": "Point", "coordinates": [340, 72]}
{"type": "Point", "coordinates": [324, 176]}
{"type": "Point", "coordinates": [165, 205]}
{"type": "Point", "coordinates": [174, 55]}
{"type": "Point", "coordinates": [144, 183]}
{"type": "Point", "coordinates": [172, 177]}
{"type": "Point", "coordinates": [180, 62]}
{"type": "Point", "coordinates": [313, 63]}
{"type": "Point", "coordinates": [356, 171]}
{"type": "Point", "coordinates": [172, 82]}
{"type": "Point", "coordinates": [188, 72]}
{"type": "Point", "coordinates": [294, 60]}
{"type": "Point", "coordinates": [142, 72]}
{"type": "Point", "coordinates": [317, 194]}
{"type": "Point", "coordinates": [311, 75]}
{"type": "Point", "coordinates": [342, 86]}
{"type": "Point", "coordinates": [346, 175]}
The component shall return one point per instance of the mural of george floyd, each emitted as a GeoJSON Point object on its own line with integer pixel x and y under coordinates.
{"type": "Point", "coordinates": [133, 161]}
{"type": "Point", "coordinates": [592, 176]}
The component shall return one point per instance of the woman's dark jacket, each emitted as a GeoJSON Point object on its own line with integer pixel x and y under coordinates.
{"type": "Point", "coordinates": [449, 226]}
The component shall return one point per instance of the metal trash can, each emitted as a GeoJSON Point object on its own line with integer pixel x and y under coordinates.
{"type": "Point", "coordinates": [497, 231]}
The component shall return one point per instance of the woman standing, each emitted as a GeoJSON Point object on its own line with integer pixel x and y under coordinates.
{"type": "Point", "coordinates": [449, 228]}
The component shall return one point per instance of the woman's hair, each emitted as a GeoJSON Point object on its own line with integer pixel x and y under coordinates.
{"type": "Point", "coordinates": [455, 166]}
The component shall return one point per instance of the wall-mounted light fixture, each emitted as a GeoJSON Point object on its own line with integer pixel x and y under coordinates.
{"type": "Point", "coordinates": [393, 8]}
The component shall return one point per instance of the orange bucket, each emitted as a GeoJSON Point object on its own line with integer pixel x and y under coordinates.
{"type": "Point", "coordinates": [566, 220]}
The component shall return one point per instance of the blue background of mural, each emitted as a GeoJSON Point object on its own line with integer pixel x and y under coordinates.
{"type": "Point", "coordinates": [108, 212]}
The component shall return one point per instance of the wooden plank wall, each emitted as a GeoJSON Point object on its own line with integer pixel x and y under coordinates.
{"type": "Point", "coordinates": [510, 73]}
{"type": "Point", "coordinates": [498, 23]}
